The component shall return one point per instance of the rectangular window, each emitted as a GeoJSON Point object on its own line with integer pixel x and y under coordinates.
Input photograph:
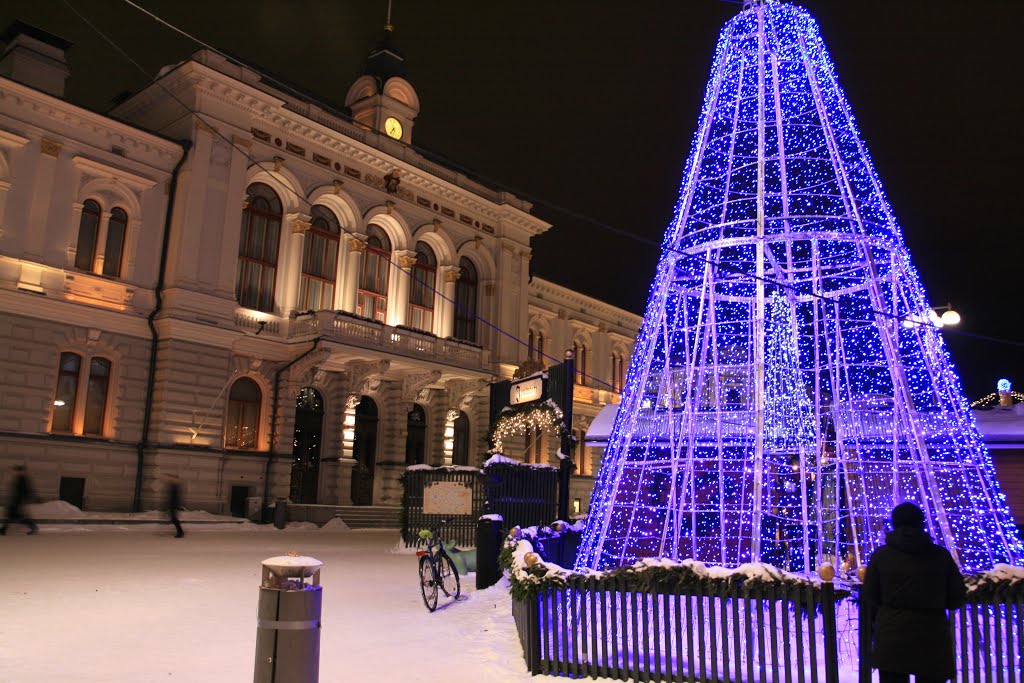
{"type": "Point", "coordinates": [67, 390]}
{"type": "Point", "coordinates": [96, 396]}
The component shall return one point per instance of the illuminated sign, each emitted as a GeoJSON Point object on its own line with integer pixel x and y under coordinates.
{"type": "Point", "coordinates": [527, 390]}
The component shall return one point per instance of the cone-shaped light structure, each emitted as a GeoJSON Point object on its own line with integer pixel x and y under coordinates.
{"type": "Point", "coordinates": [787, 389]}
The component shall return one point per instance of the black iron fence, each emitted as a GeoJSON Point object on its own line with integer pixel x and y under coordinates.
{"type": "Point", "coordinates": [521, 494]}
{"type": "Point", "coordinates": [458, 528]}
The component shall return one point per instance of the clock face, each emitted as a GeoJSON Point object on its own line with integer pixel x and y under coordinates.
{"type": "Point", "coordinates": [393, 127]}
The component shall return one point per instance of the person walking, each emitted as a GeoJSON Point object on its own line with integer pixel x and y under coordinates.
{"type": "Point", "coordinates": [909, 585]}
{"type": "Point", "coordinates": [174, 502]}
{"type": "Point", "coordinates": [21, 495]}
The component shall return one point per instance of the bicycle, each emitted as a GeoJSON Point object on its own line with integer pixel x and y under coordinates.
{"type": "Point", "coordinates": [436, 570]}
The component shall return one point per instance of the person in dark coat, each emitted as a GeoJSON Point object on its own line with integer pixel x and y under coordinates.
{"type": "Point", "coordinates": [21, 495]}
{"type": "Point", "coordinates": [911, 582]}
{"type": "Point", "coordinates": [174, 502]}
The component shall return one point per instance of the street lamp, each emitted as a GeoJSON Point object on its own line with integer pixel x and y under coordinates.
{"type": "Point", "coordinates": [933, 317]}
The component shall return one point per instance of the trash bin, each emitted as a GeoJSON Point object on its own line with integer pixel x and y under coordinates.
{"type": "Point", "coordinates": [488, 546]}
{"type": "Point", "coordinates": [281, 513]}
{"type": "Point", "coordinates": [288, 621]}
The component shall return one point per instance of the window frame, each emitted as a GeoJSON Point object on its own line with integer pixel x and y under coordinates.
{"type": "Point", "coordinates": [266, 263]}
{"type": "Point", "coordinates": [422, 289]}
{"type": "Point", "coordinates": [379, 255]}
{"type": "Point", "coordinates": [467, 302]}
{"type": "Point", "coordinates": [90, 209]}
{"type": "Point", "coordinates": [324, 226]}
{"type": "Point", "coordinates": [238, 442]}
{"type": "Point", "coordinates": [81, 417]}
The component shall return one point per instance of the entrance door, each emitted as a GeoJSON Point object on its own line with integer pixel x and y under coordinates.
{"type": "Point", "coordinates": [416, 436]}
{"type": "Point", "coordinates": [364, 451]}
{"type": "Point", "coordinates": [309, 419]}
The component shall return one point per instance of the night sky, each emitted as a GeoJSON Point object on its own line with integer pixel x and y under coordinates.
{"type": "Point", "coordinates": [587, 109]}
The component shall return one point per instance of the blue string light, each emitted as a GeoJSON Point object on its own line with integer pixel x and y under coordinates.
{"type": "Point", "coordinates": [783, 395]}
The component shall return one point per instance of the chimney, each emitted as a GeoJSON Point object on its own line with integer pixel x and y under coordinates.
{"type": "Point", "coordinates": [34, 58]}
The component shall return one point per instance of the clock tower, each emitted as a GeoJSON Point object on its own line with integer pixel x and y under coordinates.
{"type": "Point", "coordinates": [382, 99]}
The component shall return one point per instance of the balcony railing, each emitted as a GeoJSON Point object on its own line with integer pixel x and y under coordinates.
{"type": "Point", "coordinates": [348, 329]}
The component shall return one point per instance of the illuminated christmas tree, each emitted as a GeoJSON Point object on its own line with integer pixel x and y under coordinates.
{"type": "Point", "coordinates": [844, 377]}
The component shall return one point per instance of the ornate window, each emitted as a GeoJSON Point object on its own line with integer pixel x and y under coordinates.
{"type": "Point", "coordinates": [618, 372]}
{"type": "Point", "coordinates": [241, 428]}
{"type": "Point", "coordinates": [257, 248]}
{"type": "Point", "coordinates": [372, 298]}
{"type": "Point", "coordinates": [319, 261]}
{"type": "Point", "coordinates": [113, 253]}
{"type": "Point", "coordinates": [466, 301]}
{"type": "Point", "coordinates": [421, 289]}
{"type": "Point", "coordinates": [530, 351]}
{"type": "Point", "coordinates": [88, 234]}
{"type": "Point", "coordinates": [73, 392]}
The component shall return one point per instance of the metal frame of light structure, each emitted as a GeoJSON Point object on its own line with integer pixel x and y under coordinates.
{"type": "Point", "coordinates": [780, 201]}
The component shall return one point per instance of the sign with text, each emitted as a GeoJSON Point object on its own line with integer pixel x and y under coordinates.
{"type": "Point", "coordinates": [527, 390]}
{"type": "Point", "coordinates": [447, 498]}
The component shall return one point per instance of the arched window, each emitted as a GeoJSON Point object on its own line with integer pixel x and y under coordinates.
{"type": "Point", "coordinates": [617, 372]}
{"type": "Point", "coordinates": [583, 464]}
{"type": "Point", "coordinates": [113, 253]}
{"type": "Point", "coordinates": [372, 299]}
{"type": "Point", "coordinates": [88, 233]}
{"type": "Point", "coordinates": [67, 391]}
{"type": "Point", "coordinates": [241, 428]}
{"type": "Point", "coordinates": [579, 352]}
{"type": "Point", "coordinates": [319, 261]}
{"type": "Point", "coordinates": [466, 301]}
{"type": "Point", "coordinates": [416, 436]}
{"type": "Point", "coordinates": [460, 440]}
{"type": "Point", "coordinates": [540, 347]}
{"type": "Point", "coordinates": [530, 351]}
{"type": "Point", "coordinates": [74, 390]}
{"type": "Point", "coordinates": [257, 248]}
{"type": "Point", "coordinates": [421, 289]}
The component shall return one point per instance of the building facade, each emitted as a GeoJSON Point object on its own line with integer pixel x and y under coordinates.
{"type": "Point", "coordinates": [229, 281]}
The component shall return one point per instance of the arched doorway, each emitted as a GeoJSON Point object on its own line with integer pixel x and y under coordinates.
{"type": "Point", "coordinates": [460, 440]}
{"type": "Point", "coordinates": [364, 451]}
{"type": "Point", "coordinates": [309, 422]}
{"type": "Point", "coordinates": [416, 436]}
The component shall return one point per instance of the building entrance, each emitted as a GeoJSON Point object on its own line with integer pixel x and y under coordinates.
{"type": "Point", "coordinates": [309, 420]}
{"type": "Point", "coordinates": [364, 452]}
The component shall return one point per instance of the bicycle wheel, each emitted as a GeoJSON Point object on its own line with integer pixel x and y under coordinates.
{"type": "Point", "coordinates": [428, 585]}
{"type": "Point", "coordinates": [449, 577]}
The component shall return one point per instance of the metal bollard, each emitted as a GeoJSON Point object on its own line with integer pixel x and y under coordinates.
{"type": "Point", "coordinates": [288, 621]}
{"type": "Point", "coordinates": [488, 547]}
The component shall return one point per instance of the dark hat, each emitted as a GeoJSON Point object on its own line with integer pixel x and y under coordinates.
{"type": "Point", "coordinates": [907, 514]}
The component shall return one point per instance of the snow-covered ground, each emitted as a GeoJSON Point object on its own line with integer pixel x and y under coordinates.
{"type": "Point", "coordinates": [90, 603]}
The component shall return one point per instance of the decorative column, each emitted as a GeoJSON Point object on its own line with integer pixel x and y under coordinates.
{"type": "Point", "coordinates": [449, 434]}
{"type": "Point", "coordinates": [290, 261]}
{"type": "Point", "coordinates": [347, 459]}
{"type": "Point", "coordinates": [446, 309]}
{"type": "Point", "coordinates": [398, 287]}
{"type": "Point", "coordinates": [350, 284]}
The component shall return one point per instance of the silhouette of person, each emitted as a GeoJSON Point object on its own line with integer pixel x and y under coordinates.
{"type": "Point", "coordinates": [174, 502]}
{"type": "Point", "coordinates": [21, 495]}
{"type": "Point", "coordinates": [911, 582]}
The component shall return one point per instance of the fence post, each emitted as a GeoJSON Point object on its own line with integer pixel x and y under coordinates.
{"type": "Point", "coordinates": [865, 618]}
{"type": "Point", "coordinates": [828, 618]}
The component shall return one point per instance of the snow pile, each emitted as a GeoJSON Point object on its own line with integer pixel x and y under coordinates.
{"type": "Point", "coordinates": [335, 524]}
{"type": "Point", "coordinates": [498, 459]}
{"type": "Point", "coordinates": [447, 468]}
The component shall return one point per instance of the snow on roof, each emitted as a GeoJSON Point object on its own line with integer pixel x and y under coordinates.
{"type": "Point", "coordinates": [1003, 423]}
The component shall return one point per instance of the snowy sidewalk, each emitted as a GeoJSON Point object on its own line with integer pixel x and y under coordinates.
{"type": "Point", "coordinates": [57, 512]}
{"type": "Point", "coordinates": [105, 603]}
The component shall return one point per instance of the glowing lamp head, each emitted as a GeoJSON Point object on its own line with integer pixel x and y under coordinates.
{"type": "Point", "coordinates": [950, 318]}
{"type": "Point", "coordinates": [1004, 386]}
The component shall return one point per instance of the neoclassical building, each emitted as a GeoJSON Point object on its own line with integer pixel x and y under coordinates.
{"type": "Point", "coordinates": [227, 280]}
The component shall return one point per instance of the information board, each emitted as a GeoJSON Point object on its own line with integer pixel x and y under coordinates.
{"type": "Point", "coordinates": [447, 498]}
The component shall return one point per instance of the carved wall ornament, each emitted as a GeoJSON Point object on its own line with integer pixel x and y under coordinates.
{"type": "Point", "coordinates": [407, 261]}
{"type": "Point", "coordinates": [351, 401]}
{"type": "Point", "coordinates": [392, 181]}
{"type": "Point", "coordinates": [562, 315]}
{"type": "Point", "coordinates": [452, 275]}
{"type": "Point", "coordinates": [416, 381]}
{"type": "Point", "coordinates": [437, 224]}
{"type": "Point", "coordinates": [300, 226]}
{"type": "Point", "coordinates": [356, 244]}
{"type": "Point", "coordinates": [319, 376]}
{"type": "Point", "coordinates": [337, 186]}
{"type": "Point", "coordinates": [278, 163]}
{"type": "Point", "coordinates": [50, 148]}
{"type": "Point", "coordinates": [451, 416]}
{"type": "Point", "coordinates": [360, 372]}
{"type": "Point", "coordinates": [390, 207]}
{"type": "Point", "coordinates": [461, 391]}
